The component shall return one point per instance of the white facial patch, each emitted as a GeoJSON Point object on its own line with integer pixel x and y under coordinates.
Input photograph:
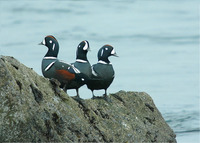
{"type": "Point", "coordinates": [81, 61]}
{"type": "Point", "coordinates": [43, 42]}
{"type": "Point", "coordinates": [113, 52]}
{"type": "Point", "coordinates": [50, 41]}
{"type": "Point", "coordinates": [106, 48]}
{"type": "Point", "coordinates": [86, 46]}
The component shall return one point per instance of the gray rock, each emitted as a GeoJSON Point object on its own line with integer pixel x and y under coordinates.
{"type": "Point", "coordinates": [35, 109]}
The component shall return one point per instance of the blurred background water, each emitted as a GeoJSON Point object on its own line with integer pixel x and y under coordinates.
{"type": "Point", "coordinates": [157, 41]}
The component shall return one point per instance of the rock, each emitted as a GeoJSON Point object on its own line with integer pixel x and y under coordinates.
{"type": "Point", "coordinates": [33, 109]}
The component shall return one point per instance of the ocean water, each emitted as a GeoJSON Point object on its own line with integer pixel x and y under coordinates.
{"type": "Point", "coordinates": [157, 43]}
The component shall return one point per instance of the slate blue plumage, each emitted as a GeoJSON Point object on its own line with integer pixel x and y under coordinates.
{"type": "Point", "coordinates": [102, 72]}
{"type": "Point", "coordinates": [82, 64]}
{"type": "Point", "coordinates": [54, 68]}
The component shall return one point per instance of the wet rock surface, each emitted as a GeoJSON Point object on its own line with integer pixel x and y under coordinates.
{"type": "Point", "coordinates": [35, 109]}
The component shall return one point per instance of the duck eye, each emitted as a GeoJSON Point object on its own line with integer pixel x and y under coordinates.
{"type": "Point", "coordinates": [50, 41]}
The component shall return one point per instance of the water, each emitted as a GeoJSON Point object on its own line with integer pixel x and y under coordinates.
{"type": "Point", "coordinates": [157, 41]}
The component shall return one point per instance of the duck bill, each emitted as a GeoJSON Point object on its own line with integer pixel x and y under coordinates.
{"type": "Point", "coordinates": [115, 54]}
{"type": "Point", "coordinates": [41, 43]}
{"type": "Point", "coordinates": [88, 49]}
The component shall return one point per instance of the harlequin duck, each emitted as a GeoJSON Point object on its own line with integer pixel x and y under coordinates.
{"type": "Point", "coordinates": [82, 64]}
{"type": "Point", "coordinates": [102, 72]}
{"type": "Point", "coordinates": [54, 68]}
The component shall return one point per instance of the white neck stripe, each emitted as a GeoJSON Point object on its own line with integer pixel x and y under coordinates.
{"type": "Point", "coordinates": [51, 58]}
{"type": "Point", "coordinates": [81, 61]}
{"type": "Point", "coordinates": [103, 62]}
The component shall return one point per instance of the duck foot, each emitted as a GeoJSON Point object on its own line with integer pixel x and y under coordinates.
{"type": "Point", "coordinates": [106, 98]}
{"type": "Point", "coordinates": [77, 98]}
{"type": "Point", "coordinates": [94, 97]}
{"type": "Point", "coordinates": [55, 83]}
{"type": "Point", "coordinates": [97, 97]}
